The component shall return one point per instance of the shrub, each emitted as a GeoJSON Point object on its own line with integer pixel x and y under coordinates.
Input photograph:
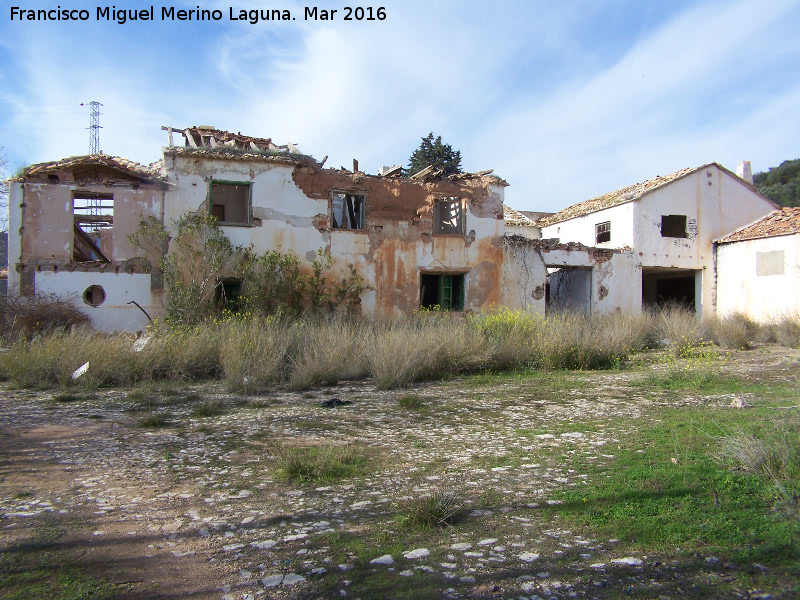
{"type": "Point", "coordinates": [679, 329]}
{"type": "Point", "coordinates": [40, 315]}
{"type": "Point", "coordinates": [320, 463]}
{"type": "Point", "coordinates": [787, 331]}
{"type": "Point", "coordinates": [437, 509]}
{"type": "Point", "coordinates": [735, 331]}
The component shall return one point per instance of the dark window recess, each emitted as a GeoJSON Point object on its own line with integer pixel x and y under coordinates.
{"type": "Point", "coordinates": [445, 291]}
{"type": "Point", "coordinates": [94, 295]}
{"type": "Point", "coordinates": [93, 222]}
{"type": "Point", "coordinates": [448, 216]}
{"type": "Point", "coordinates": [602, 232]}
{"type": "Point", "coordinates": [229, 294]}
{"type": "Point", "coordinates": [230, 203]}
{"type": "Point", "coordinates": [673, 226]}
{"type": "Point", "coordinates": [347, 211]}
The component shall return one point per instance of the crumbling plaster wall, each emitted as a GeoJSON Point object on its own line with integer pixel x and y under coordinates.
{"type": "Point", "coordinates": [740, 289]}
{"type": "Point", "coordinates": [615, 278]}
{"type": "Point", "coordinates": [291, 212]}
{"type": "Point", "coordinates": [41, 245]}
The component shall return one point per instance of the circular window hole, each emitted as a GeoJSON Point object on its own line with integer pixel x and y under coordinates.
{"type": "Point", "coordinates": [94, 295]}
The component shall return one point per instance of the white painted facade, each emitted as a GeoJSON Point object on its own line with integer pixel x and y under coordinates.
{"type": "Point", "coordinates": [713, 201]}
{"type": "Point", "coordinates": [759, 278]}
{"type": "Point", "coordinates": [116, 313]}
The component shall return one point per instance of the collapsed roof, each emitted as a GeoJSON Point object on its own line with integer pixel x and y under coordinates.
{"type": "Point", "coordinates": [121, 165]}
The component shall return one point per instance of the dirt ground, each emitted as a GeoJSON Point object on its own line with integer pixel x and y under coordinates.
{"type": "Point", "coordinates": [196, 508]}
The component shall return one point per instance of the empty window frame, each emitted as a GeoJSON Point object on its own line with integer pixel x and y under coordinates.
{"type": "Point", "coordinates": [673, 226]}
{"type": "Point", "coordinates": [602, 232]}
{"type": "Point", "coordinates": [448, 216]}
{"type": "Point", "coordinates": [770, 263]}
{"type": "Point", "coordinates": [347, 210]}
{"type": "Point", "coordinates": [93, 221]}
{"type": "Point", "coordinates": [228, 294]}
{"type": "Point", "coordinates": [230, 202]}
{"type": "Point", "coordinates": [443, 291]}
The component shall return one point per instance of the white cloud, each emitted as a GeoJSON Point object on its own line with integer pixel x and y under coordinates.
{"type": "Point", "coordinates": [534, 90]}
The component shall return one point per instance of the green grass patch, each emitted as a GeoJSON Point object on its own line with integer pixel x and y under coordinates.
{"type": "Point", "coordinates": [49, 581]}
{"type": "Point", "coordinates": [674, 494]}
{"type": "Point", "coordinates": [320, 463]}
{"type": "Point", "coordinates": [154, 420]}
{"type": "Point", "coordinates": [411, 402]}
{"type": "Point", "coordinates": [208, 408]}
{"type": "Point", "coordinates": [706, 380]}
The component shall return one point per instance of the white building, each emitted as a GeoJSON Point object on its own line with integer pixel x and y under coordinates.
{"type": "Point", "coordinates": [670, 224]}
{"type": "Point", "coordinates": [758, 268]}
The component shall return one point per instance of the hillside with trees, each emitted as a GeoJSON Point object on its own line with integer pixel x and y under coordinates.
{"type": "Point", "coordinates": [781, 184]}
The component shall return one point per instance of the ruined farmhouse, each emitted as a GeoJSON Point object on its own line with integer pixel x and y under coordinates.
{"type": "Point", "coordinates": [417, 241]}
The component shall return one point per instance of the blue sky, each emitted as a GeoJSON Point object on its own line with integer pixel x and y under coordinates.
{"type": "Point", "coordinates": [565, 100]}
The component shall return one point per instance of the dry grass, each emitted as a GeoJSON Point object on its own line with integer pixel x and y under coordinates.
{"type": "Point", "coordinates": [40, 315]}
{"type": "Point", "coordinates": [773, 455]}
{"type": "Point", "coordinates": [253, 354]}
{"type": "Point", "coordinates": [437, 509]}
{"type": "Point", "coordinates": [736, 331]}
{"type": "Point", "coordinates": [327, 351]}
{"type": "Point", "coordinates": [679, 329]}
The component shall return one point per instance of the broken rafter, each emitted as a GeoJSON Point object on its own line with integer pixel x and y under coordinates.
{"type": "Point", "coordinates": [85, 249]}
{"type": "Point", "coordinates": [423, 173]}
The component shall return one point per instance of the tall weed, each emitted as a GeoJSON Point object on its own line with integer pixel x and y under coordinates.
{"type": "Point", "coordinates": [327, 351]}
{"type": "Point", "coordinates": [254, 354]}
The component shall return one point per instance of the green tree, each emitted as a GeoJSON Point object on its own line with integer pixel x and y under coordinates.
{"type": "Point", "coordinates": [432, 152]}
{"type": "Point", "coordinates": [781, 184]}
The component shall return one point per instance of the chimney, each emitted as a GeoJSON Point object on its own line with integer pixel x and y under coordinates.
{"type": "Point", "coordinates": [744, 170]}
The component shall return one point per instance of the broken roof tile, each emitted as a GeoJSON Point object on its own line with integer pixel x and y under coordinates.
{"type": "Point", "coordinates": [621, 196]}
{"type": "Point", "coordinates": [129, 167]}
{"type": "Point", "coordinates": [785, 221]}
{"type": "Point", "coordinates": [515, 218]}
{"type": "Point", "coordinates": [631, 193]}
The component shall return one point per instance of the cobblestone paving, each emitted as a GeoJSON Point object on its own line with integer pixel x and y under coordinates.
{"type": "Point", "coordinates": [201, 501]}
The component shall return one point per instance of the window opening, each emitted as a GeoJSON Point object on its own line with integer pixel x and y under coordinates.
{"type": "Point", "coordinates": [229, 293]}
{"type": "Point", "coordinates": [442, 291]}
{"type": "Point", "coordinates": [347, 211]}
{"type": "Point", "coordinates": [602, 232]}
{"type": "Point", "coordinates": [770, 263]}
{"type": "Point", "coordinates": [230, 203]}
{"type": "Point", "coordinates": [94, 295]}
{"type": "Point", "coordinates": [676, 288]}
{"type": "Point", "coordinates": [673, 226]}
{"type": "Point", "coordinates": [93, 221]}
{"type": "Point", "coordinates": [448, 216]}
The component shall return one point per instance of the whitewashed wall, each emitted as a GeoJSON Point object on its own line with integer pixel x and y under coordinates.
{"type": "Point", "coordinates": [582, 229]}
{"type": "Point", "coordinates": [741, 290]}
{"type": "Point", "coordinates": [114, 314]}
